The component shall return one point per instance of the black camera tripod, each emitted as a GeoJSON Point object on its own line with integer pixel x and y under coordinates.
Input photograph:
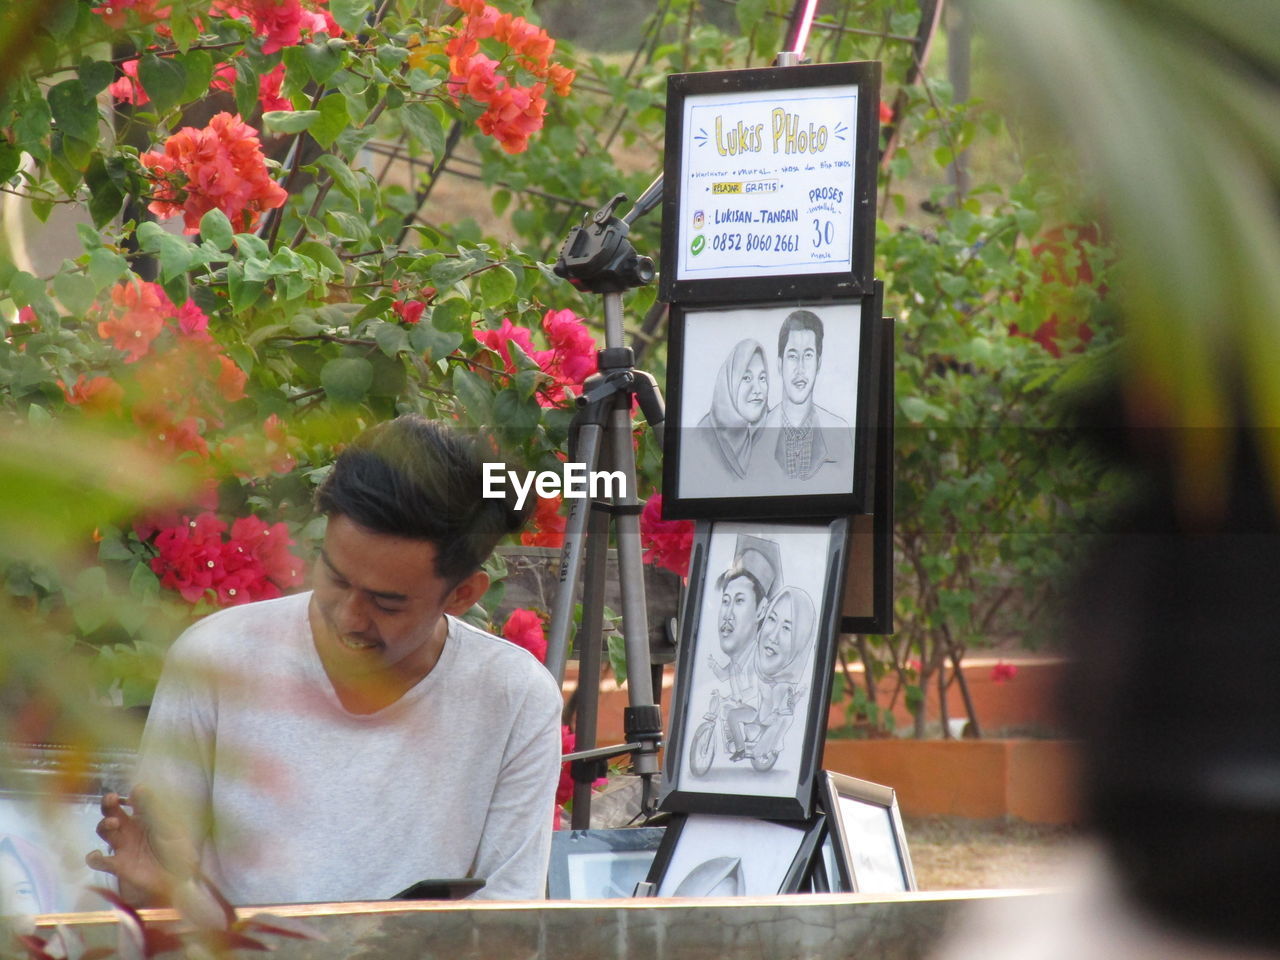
{"type": "Point", "coordinates": [598, 257]}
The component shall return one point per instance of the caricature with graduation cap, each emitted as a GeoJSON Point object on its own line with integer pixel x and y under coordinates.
{"type": "Point", "coordinates": [746, 588]}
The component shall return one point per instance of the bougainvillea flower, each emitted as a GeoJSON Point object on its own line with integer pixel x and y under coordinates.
{"type": "Point", "coordinates": [886, 113]}
{"type": "Point", "coordinates": [546, 527]}
{"type": "Point", "coordinates": [98, 395]}
{"type": "Point", "coordinates": [136, 317]}
{"type": "Point", "coordinates": [1003, 672]}
{"type": "Point", "coordinates": [220, 166]}
{"type": "Point", "coordinates": [409, 311]}
{"type": "Point", "coordinates": [666, 543]}
{"type": "Point", "coordinates": [524, 629]}
{"type": "Point", "coordinates": [573, 344]}
{"type": "Point", "coordinates": [255, 563]}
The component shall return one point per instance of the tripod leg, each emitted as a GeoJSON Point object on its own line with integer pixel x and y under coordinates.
{"type": "Point", "coordinates": [589, 655]}
{"type": "Point", "coordinates": [571, 554]}
{"type": "Point", "coordinates": [635, 617]}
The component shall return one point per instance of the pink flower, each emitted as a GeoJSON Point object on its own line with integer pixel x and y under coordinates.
{"type": "Point", "coordinates": [1003, 672]}
{"type": "Point", "coordinates": [524, 629]}
{"type": "Point", "coordinates": [192, 321]}
{"type": "Point", "coordinates": [255, 563]}
{"type": "Point", "coordinates": [666, 543]}
{"type": "Point", "coordinates": [136, 317]}
{"type": "Point", "coordinates": [498, 340]}
{"type": "Point", "coordinates": [573, 346]}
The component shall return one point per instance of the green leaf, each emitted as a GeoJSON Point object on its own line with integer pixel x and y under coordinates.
{"type": "Point", "coordinates": [332, 121]}
{"type": "Point", "coordinates": [10, 159]}
{"type": "Point", "coordinates": [244, 293]}
{"type": "Point", "coordinates": [350, 14]}
{"type": "Point", "coordinates": [105, 268]}
{"type": "Point", "coordinates": [185, 32]}
{"type": "Point", "coordinates": [164, 79]}
{"type": "Point", "coordinates": [617, 649]}
{"type": "Point", "coordinates": [247, 82]}
{"type": "Point", "coordinates": [473, 395]}
{"type": "Point", "coordinates": [323, 254]}
{"type": "Point", "coordinates": [216, 228]}
{"type": "Point", "coordinates": [74, 110]}
{"type": "Point", "coordinates": [76, 293]}
{"type": "Point", "coordinates": [199, 67]}
{"type": "Point", "coordinates": [95, 75]}
{"type": "Point", "coordinates": [391, 339]}
{"type": "Point", "coordinates": [289, 121]}
{"type": "Point", "coordinates": [497, 286]}
{"type": "Point", "coordinates": [433, 343]}
{"type": "Point", "coordinates": [105, 196]}
{"type": "Point", "coordinates": [347, 379]}
{"type": "Point", "coordinates": [516, 416]}
{"type": "Point", "coordinates": [422, 125]}
{"type": "Point", "coordinates": [321, 60]}
{"type": "Point", "coordinates": [373, 308]}
{"type": "Point", "coordinates": [453, 315]}
{"type": "Point", "coordinates": [448, 272]}
{"type": "Point", "coordinates": [749, 13]}
{"type": "Point", "coordinates": [343, 178]}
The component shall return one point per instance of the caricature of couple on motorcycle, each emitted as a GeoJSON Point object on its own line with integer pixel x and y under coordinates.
{"type": "Point", "coordinates": [765, 630]}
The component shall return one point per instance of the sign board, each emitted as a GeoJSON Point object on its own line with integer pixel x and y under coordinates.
{"type": "Point", "coordinates": [770, 183]}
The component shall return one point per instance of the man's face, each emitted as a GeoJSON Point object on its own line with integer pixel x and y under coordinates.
{"type": "Point", "coordinates": [378, 605]}
{"type": "Point", "coordinates": [737, 615]}
{"type": "Point", "coordinates": [777, 637]}
{"type": "Point", "coordinates": [800, 363]}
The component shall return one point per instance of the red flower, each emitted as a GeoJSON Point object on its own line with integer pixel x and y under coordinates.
{"type": "Point", "coordinates": [409, 311]}
{"type": "Point", "coordinates": [100, 395]}
{"type": "Point", "coordinates": [256, 563]}
{"type": "Point", "coordinates": [564, 790]}
{"type": "Point", "coordinates": [886, 113]}
{"type": "Point", "coordinates": [666, 543]}
{"type": "Point", "coordinates": [192, 321]}
{"type": "Point", "coordinates": [524, 629]}
{"type": "Point", "coordinates": [1003, 672]}
{"type": "Point", "coordinates": [269, 94]}
{"type": "Point", "coordinates": [281, 23]}
{"type": "Point", "coordinates": [221, 167]}
{"type": "Point", "coordinates": [546, 529]}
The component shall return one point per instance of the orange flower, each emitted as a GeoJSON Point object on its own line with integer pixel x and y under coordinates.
{"type": "Point", "coordinates": [221, 167]}
{"type": "Point", "coordinates": [101, 395]}
{"type": "Point", "coordinates": [136, 317]}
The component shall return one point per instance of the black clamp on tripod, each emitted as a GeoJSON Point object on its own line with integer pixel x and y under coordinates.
{"type": "Point", "coordinates": [598, 257]}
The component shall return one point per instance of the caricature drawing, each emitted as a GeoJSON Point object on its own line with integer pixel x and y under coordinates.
{"type": "Point", "coordinates": [740, 396]}
{"type": "Point", "coordinates": [799, 438]}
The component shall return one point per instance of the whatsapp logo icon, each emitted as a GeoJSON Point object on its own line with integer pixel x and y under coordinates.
{"type": "Point", "coordinates": [699, 244]}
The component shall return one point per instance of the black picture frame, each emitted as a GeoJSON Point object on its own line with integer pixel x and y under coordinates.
{"type": "Point", "coordinates": [868, 596]}
{"type": "Point", "coordinates": [600, 864]}
{"type": "Point", "coordinates": [776, 176]}
{"type": "Point", "coordinates": [865, 846]}
{"type": "Point", "coordinates": [704, 855]}
{"type": "Point", "coordinates": [749, 712]}
{"type": "Point", "coordinates": [729, 386]}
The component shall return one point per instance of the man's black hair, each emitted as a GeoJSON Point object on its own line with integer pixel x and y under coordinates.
{"type": "Point", "coordinates": [736, 571]}
{"type": "Point", "coordinates": [418, 478]}
{"type": "Point", "coordinates": [800, 320]}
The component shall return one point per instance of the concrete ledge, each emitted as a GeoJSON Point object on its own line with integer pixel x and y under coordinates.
{"type": "Point", "coordinates": [817, 927]}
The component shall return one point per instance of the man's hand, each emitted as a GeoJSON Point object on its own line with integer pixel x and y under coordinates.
{"type": "Point", "coordinates": [144, 880]}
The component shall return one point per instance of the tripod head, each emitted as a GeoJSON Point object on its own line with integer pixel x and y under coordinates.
{"type": "Point", "coordinates": [598, 257]}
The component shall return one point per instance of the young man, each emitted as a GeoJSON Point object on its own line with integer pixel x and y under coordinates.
{"type": "Point", "coordinates": [799, 437]}
{"type": "Point", "coordinates": [345, 743]}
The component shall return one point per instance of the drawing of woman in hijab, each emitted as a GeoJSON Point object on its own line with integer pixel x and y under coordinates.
{"type": "Point", "coordinates": [27, 878]}
{"type": "Point", "coordinates": [738, 403]}
{"type": "Point", "coordinates": [782, 658]}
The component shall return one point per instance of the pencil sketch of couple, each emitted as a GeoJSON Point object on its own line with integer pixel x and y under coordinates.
{"type": "Point", "coordinates": [742, 438]}
{"type": "Point", "coordinates": [765, 631]}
